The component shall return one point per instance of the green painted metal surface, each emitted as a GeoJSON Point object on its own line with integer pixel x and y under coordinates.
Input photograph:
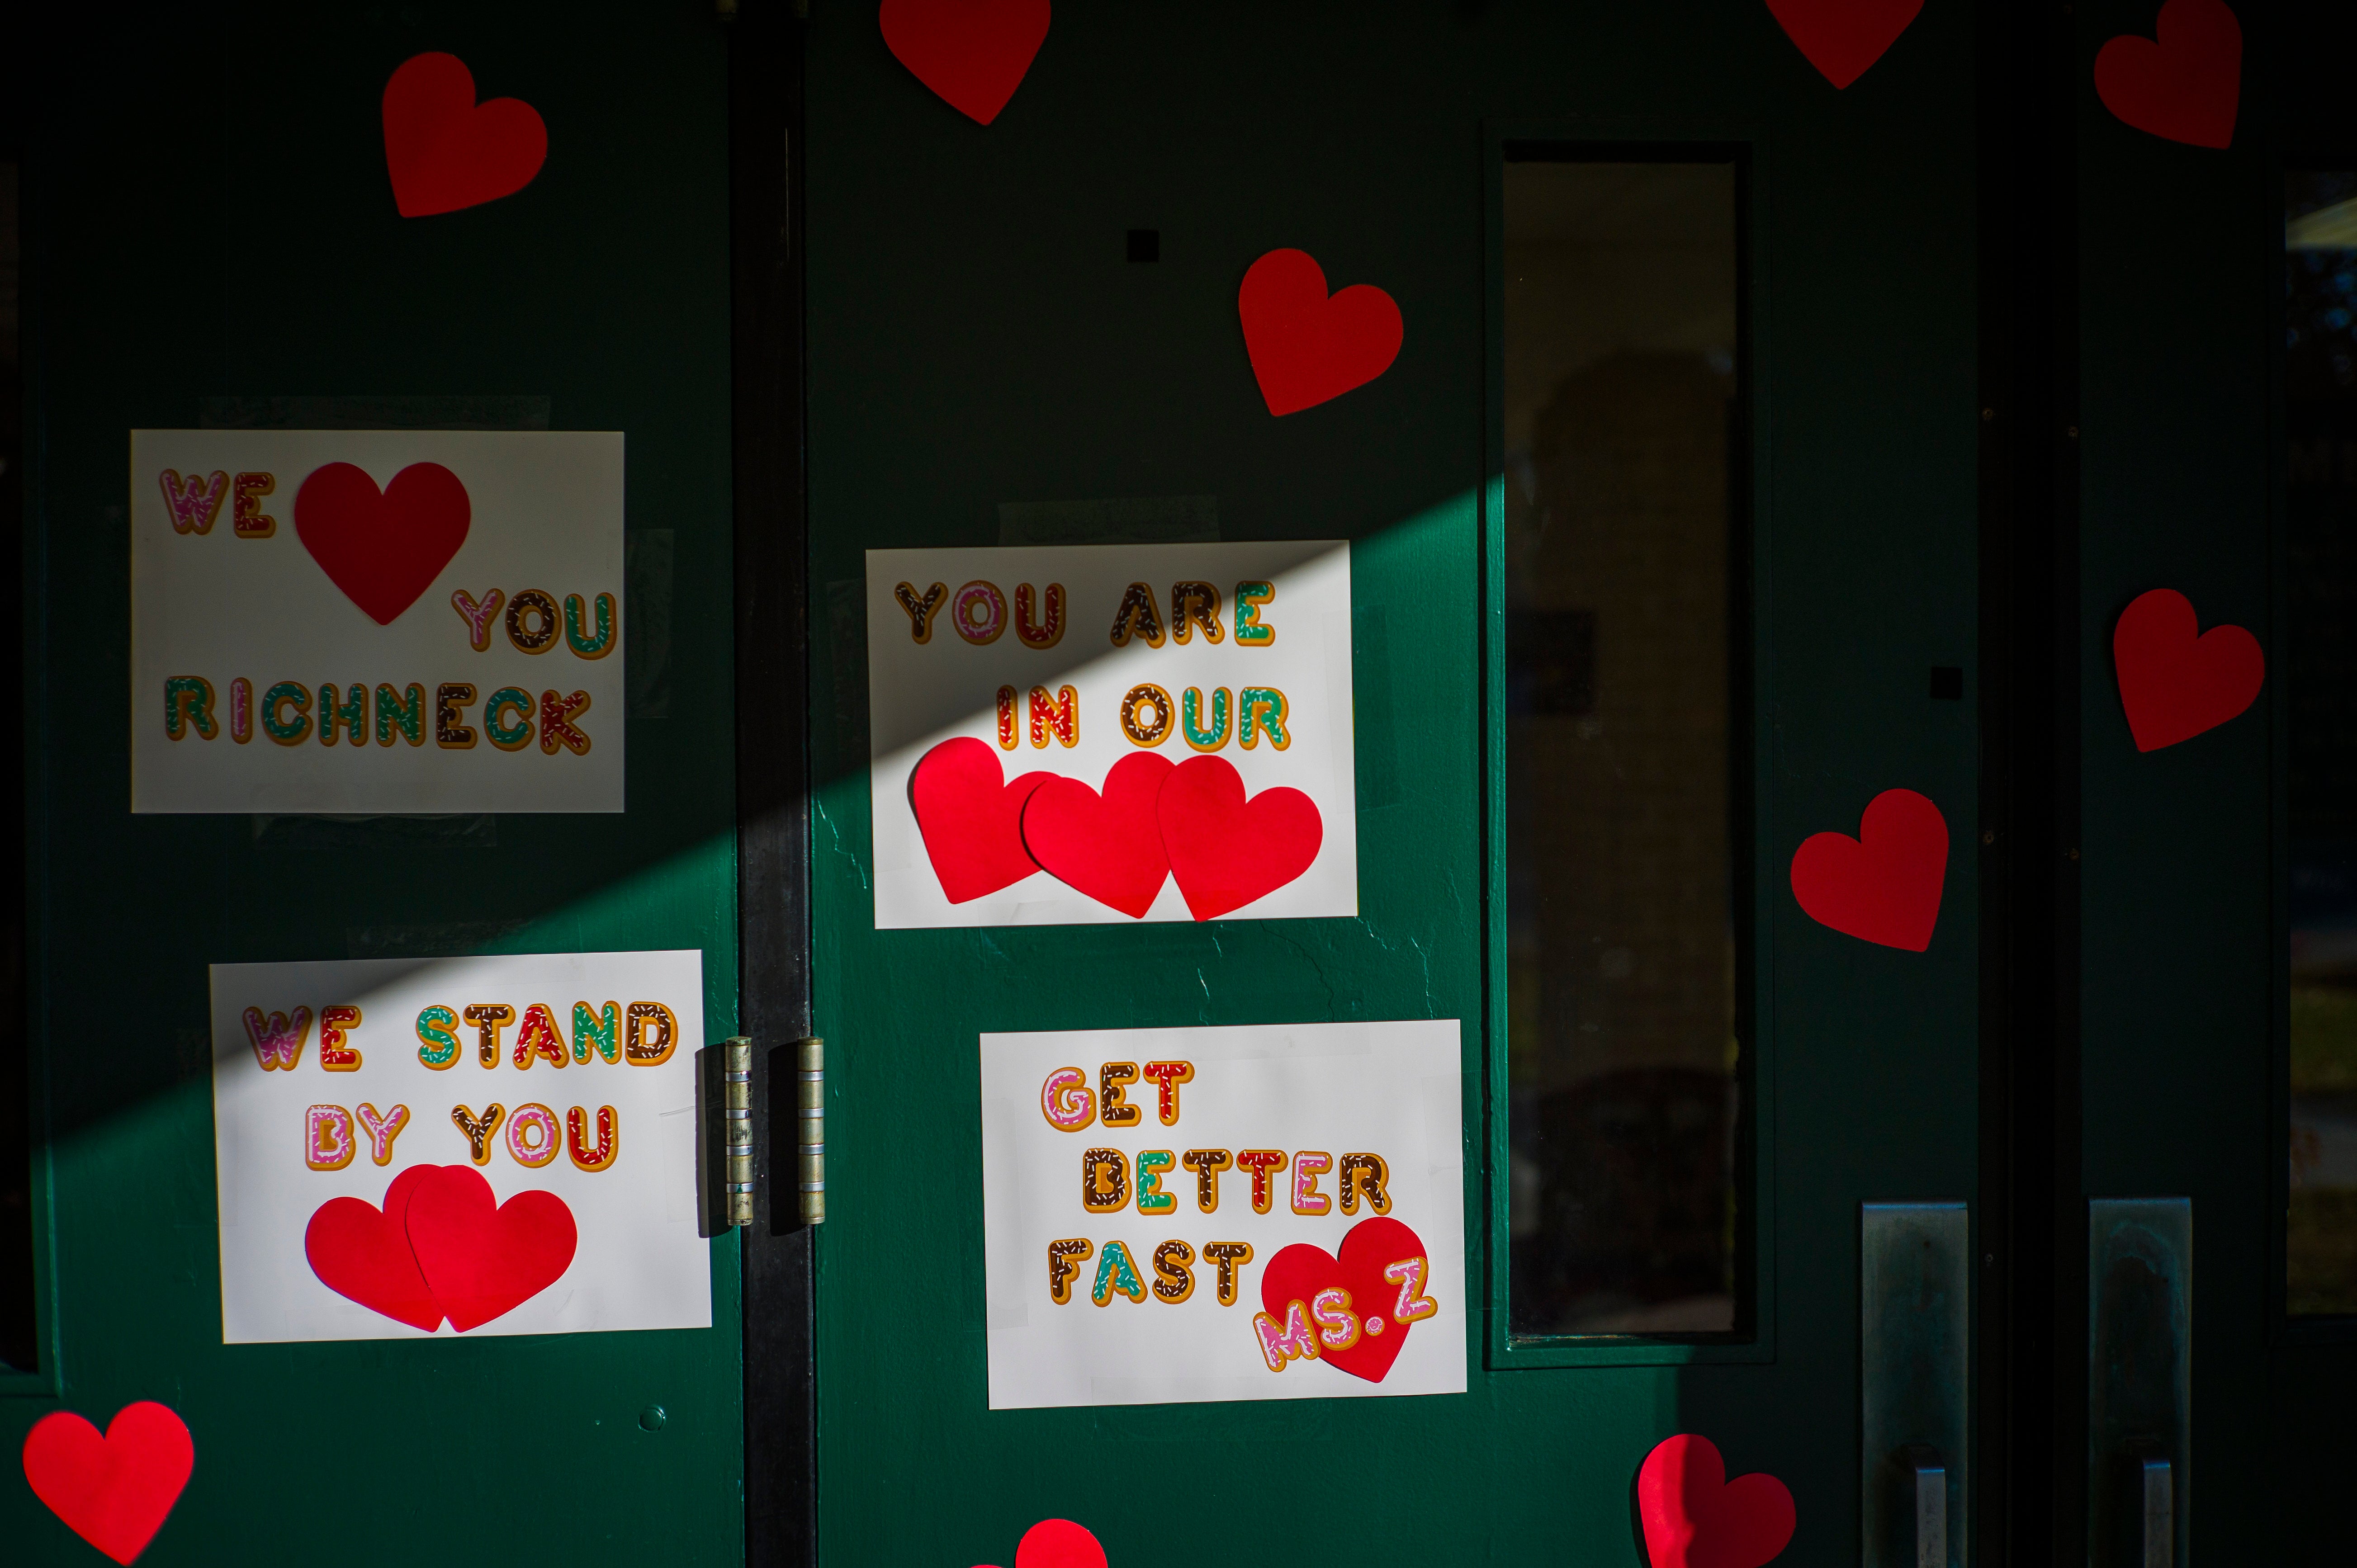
{"type": "Point", "coordinates": [2183, 1008]}
{"type": "Point", "coordinates": [977, 337]}
{"type": "Point", "coordinates": [208, 218]}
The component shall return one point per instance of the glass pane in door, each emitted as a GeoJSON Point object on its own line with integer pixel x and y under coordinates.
{"type": "Point", "coordinates": [1621, 391]}
{"type": "Point", "coordinates": [2320, 667]}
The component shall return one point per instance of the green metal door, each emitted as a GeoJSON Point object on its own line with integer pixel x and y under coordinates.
{"type": "Point", "coordinates": [1040, 338]}
{"type": "Point", "coordinates": [211, 240]}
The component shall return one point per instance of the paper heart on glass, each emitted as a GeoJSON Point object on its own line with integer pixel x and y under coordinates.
{"type": "Point", "coordinates": [1694, 1517]}
{"type": "Point", "coordinates": [1841, 38]}
{"type": "Point", "coordinates": [362, 1252]}
{"type": "Point", "coordinates": [1299, 1271]}
{"type": "Point", "coordinates": [1307, 346]}
{"type": "Point", "coordinates": [2183, 84]}
{"type": "Point", "coordinates": [382, 548]}
{"type": "Point", "coordinates": [2175, 680]}
{"type": "Point", "coordinates": [1105, 845]}
{"type": "Point", "coordinates": [972, 818]}
{"type": "Point", "coordinates": [481, 1258]}
{"type": "Point", "coordinates": [1058, 1543]}
{"type": "Point", "coordinates": [115, 1490]}
{"type": "Point", "coordinates": [1227, 851]}
{"type": "Point", "coordinates": [444, 151]}
{"type": "Point", "coordinates": [973, 54]}
{"type": "Point", "coordinates": [1884, 885]}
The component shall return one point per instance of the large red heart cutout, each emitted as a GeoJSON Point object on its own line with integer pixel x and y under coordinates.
{"type": "Point", "coordinates": [1059, 1544]}
{"type": "Point", "coordinates": [1299, 1271]}
{"type": "Point", "coordinates": [1884, 885]}
{"type": "Point", "coordinates": [2184, 83]}
{"type": "Point", "coordinates": [382, 548]}
{"type": "Point", "coordinates": [1225, 851]}
{"type": "Point", "coordinates": [444, 150]}
{"type": "Point", "coordinates": [1694, 1517]}
{"type": "Point", "coordinates": [973, 53]}
{"type": "Point", "coordinates": [113, 1491]}
{"type": "Point", "coordinates": [362, 1252]}
{"type": "Point", "coordinates": [2175, 680]}
{"type": "Point", "coordinates": [1841, 38]}
{"type": "Point", "coordinates": [971, 819]}
{"type": "Point", "coordinates": [1106, 846]}
{"type": "Point", "coordinates": [481, 1259]}
{"type": "Point", "coordinates": [1307, 348]}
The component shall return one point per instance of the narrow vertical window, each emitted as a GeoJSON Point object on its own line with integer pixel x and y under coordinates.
{"type": "Point", "coordinates": [1621, 533]}
{"type": "Point", "coordinates": [2318, 667]}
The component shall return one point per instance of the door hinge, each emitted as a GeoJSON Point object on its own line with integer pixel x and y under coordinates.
{"type": "Point", "coordinates": [736, 1125]}
{"type": "Point", "coordinates": [810, 1109]}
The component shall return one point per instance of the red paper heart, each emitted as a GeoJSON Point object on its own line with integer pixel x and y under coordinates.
{"type": "Point", "coordinates": [1103, 845]}
{"type": "Point", "coordinates": [1884, 885]}
{"type": "Point", "coordinates": [1299, 1271]}
{"type": "Point", "coordinates": [383, 549]}
{"type": "Point", "coordinates": [2175, 680]}
{"type": "Point", "coordinates": [1307, 347]}
{"type": "Point", "coordinates": [1696, 1518]}
{"type": "Point", "coordinates": [112, 1491]}
{"type": "Point", "coordinates": [971, 52]}
{"type": "Point", "coordinates": [972, 821]}
{"type": "Point", "coordinates": [1227, 852]}
{"type": "Point", "coordinates": [444, 150]}
{"type": "Point", "coordinates": [2184, 83]}
{"type": "Point", "coordinates": [362, 1252]}
{"type": "Point", "coordinates": [1841, 38]}
{"type": "Point", "coordinates": [1059, 1544]}
{"type": "Point", "coordinates": [483, 1261]}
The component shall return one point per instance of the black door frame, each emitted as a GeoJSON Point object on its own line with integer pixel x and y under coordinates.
{"type": "Point", "coordinates": [765, 180]}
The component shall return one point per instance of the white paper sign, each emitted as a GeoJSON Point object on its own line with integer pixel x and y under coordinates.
{"type": "Point", "coordinates": [376, 620]}
{"type": "Point", "coordinates": [478, 1145]}
{"type": "Point", "coordinates": [1068, 735]}
{"type": "Point", "coordinates": [1277, 1212]}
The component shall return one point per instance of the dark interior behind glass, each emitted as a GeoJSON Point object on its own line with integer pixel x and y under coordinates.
{"type": "Point", "coordinates": [2319, 660]}
{"type": "Point", "coordinates": [1621, 533]}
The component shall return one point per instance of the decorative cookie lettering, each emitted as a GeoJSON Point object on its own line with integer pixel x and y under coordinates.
{"type": "Point", "coordinates": [248, 521]}
{"type": "Point", "coordinates": [654, 1035]}
{"type": "Point", "coordinates": [557, 726]}
{"type": "Point", "coordinates": [1137, 618]}
{"type": "Point", "coordinates": [328, 1138]}
{"type": "Point", "coordinates": [1230, 1257]}
{"type": "Point", "coordinates": [477, 614]}
{"type": "Point", "coordinates": [1263, 1164]}
{"type": "Point", "coordinates": [277, 1039]}
{"type": "Point", "coordinates": [601, 1155]}
{"type": "Point", "coordinates": [1066, 1099]}
{"type": "Point", "coordinates": [335, 1055]}
{"type": "Point", "coordinates": [537, 1040]}
{"type": "Point", "coordinates": [1365, 1176]}
{"type": "Point", "coordinates": [1166, 1077]}
{"type": "Point", "coordinates": [1064, 1260]}
{"type": "Point", "coordinates": [1048, 633]}
{"type": "Point", "coordinates": [1104, 1180]}
{"type": "Point", "coordinates": [1116, 1275]}
{"type": "Point", "coordinates": [1151, 1198]}
{"type": "Point", "coordinates": [1174, 1281]}
{"type": "Point", "coordinates": [193, 504]}
{"type": "Point", "coordinates": [1207, 1164]}
{"type": "Point", "coordinates": [1113, 1108]}
{"type": "Point", "coordinates": [490, 1018]}
{"type": "Point", "coordinates": [921, 610]}
{"type": "Point", "coordinates": [479, 1129]}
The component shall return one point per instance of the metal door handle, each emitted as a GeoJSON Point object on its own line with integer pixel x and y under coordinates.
{"type": "Point", "coordinates": [2159, 1531]}
{"type": "Point", "coordinates": [2139, 1379]}
{"type": "Point", "coordinates": [1922, 1465]}
{"type": "Point", "coordinates": [1915, 1291]}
